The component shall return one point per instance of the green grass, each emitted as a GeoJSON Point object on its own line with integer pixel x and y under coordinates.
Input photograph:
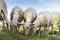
{"type": "Point", "coordinates": [19, 36]}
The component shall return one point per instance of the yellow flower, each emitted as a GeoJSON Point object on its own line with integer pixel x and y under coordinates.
{"type": "Point", "coordinates": [21, 29]}
{"type": "Point", "coordinates": [55, 19]}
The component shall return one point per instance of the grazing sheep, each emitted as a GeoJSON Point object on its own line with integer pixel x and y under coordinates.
{"type": "Point", "coordinates": [43, 20]}
{"type": "Point", "coordinates": [3, 11]}
{"type": "Point", "coordinates": [30, 15]}
{"type": "Point", "coordinates": [16, 16]}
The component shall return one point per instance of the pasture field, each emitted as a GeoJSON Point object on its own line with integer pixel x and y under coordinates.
{"type": "Point", "coordinates": [18, 36]}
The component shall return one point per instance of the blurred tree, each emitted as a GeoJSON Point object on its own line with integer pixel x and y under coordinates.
{"type": "Point", "coordinates": [57, 21]}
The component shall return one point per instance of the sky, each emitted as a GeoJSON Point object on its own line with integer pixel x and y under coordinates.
{"type": "Point", "coordinates": [39, 5]}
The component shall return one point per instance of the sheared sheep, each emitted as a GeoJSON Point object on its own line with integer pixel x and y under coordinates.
{"type": "Point", "coordinates": [43, 20]}
{"type": "Point", "coordinates": [30, 15]}
{"type": "Point", "coordinates": [16, 16]}
{"type": "Point", "coordinates": [3, 11]}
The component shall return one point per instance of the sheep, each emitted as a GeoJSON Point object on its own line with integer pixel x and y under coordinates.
{"type": "Point", "coordinates": [43, 20]}
{"type": "Point", "coordinates": [30, 15]}
{"type": "Point", "coordinates": [16, 16]}
{"type": "Point", "coordinates": [3, 11]}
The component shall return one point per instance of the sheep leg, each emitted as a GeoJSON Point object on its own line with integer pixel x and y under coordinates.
{"type": "Point", "coordinates": [18, 28]}
{"type": "Point", "coordinates": [25, 30]}
{"type": "Point", "coordinates": [39, 31]}
{"type": "Point", "coordinates": [44, 31]}
{"type": "Point", "coordinates": [11, 29]}
{"type": "Point", "coordinates": [52, 29]}
{"type": "Point", "coordinates": [3, 24]}
{"type": "Point", "coordinates": [32, 31]}
{"type": "Point", "coordinates": [7, 26]}
{"type": "Point", "coordinates": [47, 29]}
{"type": "Point", "coordinates": [15, 28]}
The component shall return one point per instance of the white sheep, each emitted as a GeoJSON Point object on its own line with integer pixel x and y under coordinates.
{"type": "Point", "coordinates": [3, 11]}
{"type": "Point", "coordinates": [43, 20]}
{"type": "Point", "coordinates": [16, 16]}
{"type": "Point", "coordinates": [30, 15]}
